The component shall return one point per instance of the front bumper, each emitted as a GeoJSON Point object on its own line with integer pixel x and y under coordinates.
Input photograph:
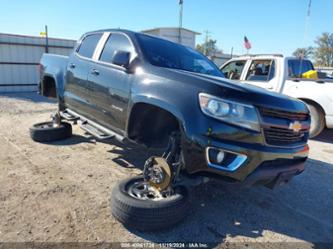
{"type": "Point", "coordinates": [263, 163]}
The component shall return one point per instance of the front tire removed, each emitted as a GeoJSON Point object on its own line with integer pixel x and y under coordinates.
{"type": "Point", "coordinates": [147, 213]}
{"type": "Point", "coordinates": [317, 120]}
{"type": "Point", "coordinates": [47, 132]}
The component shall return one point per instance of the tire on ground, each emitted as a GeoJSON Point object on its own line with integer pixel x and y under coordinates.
{"type": "Point", "coordinates": [148, 215]}
{"type": "Point", "coordinates": [46, 132]}
{"type": "Point", "coordinates": [317, 120]}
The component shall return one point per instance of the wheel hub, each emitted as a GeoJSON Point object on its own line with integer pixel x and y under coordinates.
{"type": "Point", "coordinates": [157, 173]}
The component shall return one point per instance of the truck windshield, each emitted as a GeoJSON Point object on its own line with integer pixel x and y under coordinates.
{"type": "Point", "coordinates": [163, 53]}
{"type": "Point", "coordinates": [296, 67]}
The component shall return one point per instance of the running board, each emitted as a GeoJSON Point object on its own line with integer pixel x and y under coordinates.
{"type": "Point", "coordinates": [91, 127]}
{"type": "Point", "coordinates": [69, 117]}
{"type": "Point", "coordinates": [86, 126]}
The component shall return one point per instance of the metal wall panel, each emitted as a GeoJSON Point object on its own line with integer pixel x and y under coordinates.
{"type": "Point", "coordinates": [19, 58]}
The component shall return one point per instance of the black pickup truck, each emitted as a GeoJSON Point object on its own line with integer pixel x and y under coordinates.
{"type": "Point", "coordinates": [140, 88]}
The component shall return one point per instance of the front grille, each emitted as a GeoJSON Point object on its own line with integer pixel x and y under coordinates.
{"type": "Point", "coordinates": [281, 136]}
{"type": "Point", "coordinates": [299, 116]}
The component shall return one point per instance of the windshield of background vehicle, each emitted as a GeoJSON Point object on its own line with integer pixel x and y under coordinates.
{"type": "Point", "coordinates": [163, 53]}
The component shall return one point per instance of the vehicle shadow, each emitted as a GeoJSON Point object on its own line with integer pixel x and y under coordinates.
{"type": "Point", "coordinates": [326, 136]}
{"type": "Point", "coordinates": [300, 210]}
{"type": "Point", "coordinates": [29, 96]}
{"type": "Point", "coordinates": [126, 154]}
{"type": "Point", "coordinates": [74, 139]}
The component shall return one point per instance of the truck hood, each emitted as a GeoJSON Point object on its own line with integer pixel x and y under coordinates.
{"type": "Point", "coordinates": [236, 91]}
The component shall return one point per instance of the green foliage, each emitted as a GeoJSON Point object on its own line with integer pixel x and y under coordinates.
{"type": "Point", "coordinates": [208, 48]}
{"type": "Point", "coordinates": [324, 51]}
{"type": "Point", "coordinates": [304, 52]}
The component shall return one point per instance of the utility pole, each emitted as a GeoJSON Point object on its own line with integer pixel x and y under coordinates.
{"type": "Point", "coordinates": [206, 41]}
{"type": "Point", "coordinates": [180, 21]}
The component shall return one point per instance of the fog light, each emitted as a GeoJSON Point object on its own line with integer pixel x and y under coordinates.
{"type": "Point", "coordinates": [220, 156]}
{"type": "Point", "coordinates": [224, 160]}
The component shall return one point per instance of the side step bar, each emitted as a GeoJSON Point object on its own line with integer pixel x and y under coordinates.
{"type": "Point", "coordinates": [91, 127]}
{"type": "Point", "coordinates": [86, 126]}
{"type": "Point", "coordinates": [66, 115]}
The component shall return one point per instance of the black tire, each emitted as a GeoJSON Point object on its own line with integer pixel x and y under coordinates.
{"type": "Point", "coordinates": [148, 215]}
{"type": "Point", "coordinates": [317, 120]}
{"type": "Point", "coordinates": [46, 132]}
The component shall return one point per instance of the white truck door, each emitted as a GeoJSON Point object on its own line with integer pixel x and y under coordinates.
{"type": "Point", "coordinates": [234, 69]}
{"type": "Point", "coordinates": [262, 73]}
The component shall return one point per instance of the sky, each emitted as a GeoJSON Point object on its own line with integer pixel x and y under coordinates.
{"type": "Point", "coordinates": [272, 26]}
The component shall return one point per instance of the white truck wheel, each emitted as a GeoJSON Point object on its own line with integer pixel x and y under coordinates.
{"type": "Point", "coordinates": [317, 120]}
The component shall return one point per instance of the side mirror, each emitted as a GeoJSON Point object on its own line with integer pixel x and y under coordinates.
{"type": "Point", "coordinates": [121, 58]}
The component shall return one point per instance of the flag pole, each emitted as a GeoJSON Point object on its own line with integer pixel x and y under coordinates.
{"type": "Point", "coordinates": [180, 20]}
{"type": "Point", "coordinates": [46, 40]}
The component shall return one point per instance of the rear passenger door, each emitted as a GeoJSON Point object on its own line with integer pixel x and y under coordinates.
{"type": "Point", "coordinates": [75, 92]}
{"type": "Point", "coordinates": [262, 73]}
{"type": "Point", "coordinates": [111, 83]}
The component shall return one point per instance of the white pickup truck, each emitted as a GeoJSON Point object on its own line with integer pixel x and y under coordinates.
{"type": "Point", "coordinates": [283, 74]}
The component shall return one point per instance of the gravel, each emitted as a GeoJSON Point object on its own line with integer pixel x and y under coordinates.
{"type": "Point", "coordinates": [59, 192]}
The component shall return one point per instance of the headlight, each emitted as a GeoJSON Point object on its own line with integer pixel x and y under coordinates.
{"type": "Point", "coordinates": [229, 111]}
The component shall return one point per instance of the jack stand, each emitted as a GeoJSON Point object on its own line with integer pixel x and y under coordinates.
{"type": "Point", "coordinates": [56, 119]}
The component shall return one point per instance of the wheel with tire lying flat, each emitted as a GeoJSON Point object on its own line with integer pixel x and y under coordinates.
{"type": "Point", "coordinates": [49, 131]}
{"type": "Point", "coordinates": [138, 205]}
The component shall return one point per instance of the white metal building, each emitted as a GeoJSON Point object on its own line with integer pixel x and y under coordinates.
{"type": "Point", "coordinates": [20, 56]}
{"type": "Point", "coordinates": [183, 36]}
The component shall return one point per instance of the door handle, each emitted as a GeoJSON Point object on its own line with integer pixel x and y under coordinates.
{"type": "Point", "coordinates": [95, 72]}
{"type": "Point", "coordinates": [72, 65]}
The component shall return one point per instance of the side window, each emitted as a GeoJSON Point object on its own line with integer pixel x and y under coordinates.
{"type": "Point", "coordinates": [114, 43]}
{"type": "Point", "coordinates": [261, 70]}
{"type": "Point", "coordinates": [88, 45]}
{"type": "Point", "coordinates": [233, 70]}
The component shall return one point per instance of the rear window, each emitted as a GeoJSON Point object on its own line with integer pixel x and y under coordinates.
{"type": "Point", "coordinates": [296, 67]}
{"type": "Point", "coordinates": [88, 45]}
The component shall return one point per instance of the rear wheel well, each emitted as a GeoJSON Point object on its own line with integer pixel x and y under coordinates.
{"type": "Point", "coordinates": [151, 125]}
{"type": "Point", "coordinates": [49, 88]}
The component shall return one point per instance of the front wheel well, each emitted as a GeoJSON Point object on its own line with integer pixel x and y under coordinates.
{"type": "Point", "coordinates": [151, 125]}
{"type": "Point", "coordinates": [48, 87]}
{"type": "Point", "coordinates": [314, 103]}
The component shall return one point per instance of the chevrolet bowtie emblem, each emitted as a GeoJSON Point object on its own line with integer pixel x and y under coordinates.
{"type": "Point", "coordinates": [296, 126]}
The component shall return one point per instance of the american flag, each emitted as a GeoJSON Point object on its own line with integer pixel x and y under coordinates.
{"type": "Point", "coordinates": [247, 43]}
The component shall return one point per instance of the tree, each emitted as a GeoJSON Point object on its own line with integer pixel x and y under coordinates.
{"type": "Point", "coordinates": [304, 52]}
{"type": "Point", "coordinates": [208, 48]}
{"type": "Point", "coordinates": [324, 51]}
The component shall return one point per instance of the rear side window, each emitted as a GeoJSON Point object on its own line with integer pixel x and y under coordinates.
{"type": "Point", "coordinates": [114, 43]}
{"type": "Point", "coordinates": [261, 70]}
{"type": "Point", "coordinates": [233, 70]}
{"type": "Point", "coordinates": [88, 45]}
{"type": "Point", "coordinates": [297, 67]}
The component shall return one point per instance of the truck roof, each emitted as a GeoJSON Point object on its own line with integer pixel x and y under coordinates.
{"type": "Point", "coordinates": [248, 56]}
{"type": "Point", "coordinates": [113, 30]}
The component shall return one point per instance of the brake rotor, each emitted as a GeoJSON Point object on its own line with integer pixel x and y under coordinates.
{"type": "Point", "coordinates": [157, 173]}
